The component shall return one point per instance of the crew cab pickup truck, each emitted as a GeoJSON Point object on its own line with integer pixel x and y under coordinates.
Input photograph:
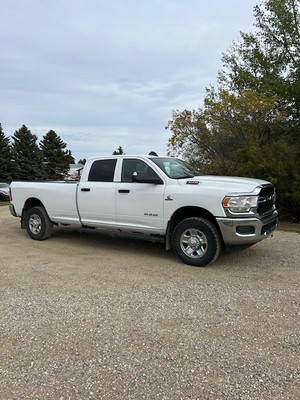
{"type": "Point", "coordinates": [161, 198]}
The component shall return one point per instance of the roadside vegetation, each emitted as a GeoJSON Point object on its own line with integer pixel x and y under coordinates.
{"type": "Point", "coordinates": [249, 125]}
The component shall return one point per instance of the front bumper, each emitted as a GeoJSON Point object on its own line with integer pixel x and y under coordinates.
{"type": "Point", "coordinates": [240, 231]}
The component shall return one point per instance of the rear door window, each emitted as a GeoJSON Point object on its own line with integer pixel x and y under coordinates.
{"type": "Point", "coordinates": [102, 171]}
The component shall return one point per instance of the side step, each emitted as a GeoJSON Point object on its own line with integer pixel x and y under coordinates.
{"type": "Point", "coordinates": [125, 235]}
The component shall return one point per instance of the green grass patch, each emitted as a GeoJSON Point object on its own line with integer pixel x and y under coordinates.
{"type": "Point", "coordinates": [4, 203]}
{"type": "Point", "coordinates": [289, 227]}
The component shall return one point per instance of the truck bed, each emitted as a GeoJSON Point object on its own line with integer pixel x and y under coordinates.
{"type": "Point", "coordinates": [59, 198]}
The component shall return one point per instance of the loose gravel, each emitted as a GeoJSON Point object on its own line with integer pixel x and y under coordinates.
{"type": "Point", "coordinates": [83, 316]}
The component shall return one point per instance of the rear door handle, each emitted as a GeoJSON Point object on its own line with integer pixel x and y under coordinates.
{"type": "Point", "coordinates": [124, 191]}
{"type": "Point", "coordinates": [85, 189]}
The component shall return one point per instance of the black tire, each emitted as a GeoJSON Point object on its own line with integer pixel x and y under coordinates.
{"type": "Point", "coordinates": [38, 224]}
{"type": "Point", "coordinates": [196, 241]}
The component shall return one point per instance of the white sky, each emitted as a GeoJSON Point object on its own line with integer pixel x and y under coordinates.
{"type": "Point", "coordinates": [109, 73]}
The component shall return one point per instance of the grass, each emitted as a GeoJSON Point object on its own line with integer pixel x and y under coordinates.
{"type": "Point", "coordinates": [289, 227]}
{"type": "Point", "coordinates": [4, 203]}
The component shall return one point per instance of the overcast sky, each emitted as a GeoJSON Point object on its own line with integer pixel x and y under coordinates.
{"type": "Point", "coordinates": [109, 73]}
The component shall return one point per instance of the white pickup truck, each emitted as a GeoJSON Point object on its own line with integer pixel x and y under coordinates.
{"type": "Point", "coordinates": [161, 198]}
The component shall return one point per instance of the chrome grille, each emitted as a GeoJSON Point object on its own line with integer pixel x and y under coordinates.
{"type": "Point", "coordinates": [266, 200]}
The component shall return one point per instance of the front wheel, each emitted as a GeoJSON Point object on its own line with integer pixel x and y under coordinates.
{"type": "Point", "coordinates": [38, 224]}
{"type": "Point", "coordinates": [196, 241]}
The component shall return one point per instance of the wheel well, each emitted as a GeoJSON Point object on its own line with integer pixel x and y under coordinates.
{"type": "Point", "coordinates": [188, 212]}
{"type": "Point", "coordinates": [29, 203]}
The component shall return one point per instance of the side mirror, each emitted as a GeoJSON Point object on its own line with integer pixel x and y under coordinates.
{"type": "Point", "coordinates": [140, 177]}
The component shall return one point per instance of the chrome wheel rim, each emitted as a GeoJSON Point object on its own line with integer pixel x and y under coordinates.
{"type": "Point", "coordinates": [35, 224]}
{"type": "Point", "coordinates": [193, 243]}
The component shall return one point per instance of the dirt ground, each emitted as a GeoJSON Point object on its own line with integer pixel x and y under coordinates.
{"type": "Point", "coordinates": [83, 316]}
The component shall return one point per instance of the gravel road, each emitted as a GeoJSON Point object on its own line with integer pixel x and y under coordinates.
{"type": "Point", "coordinates": [90, 317]}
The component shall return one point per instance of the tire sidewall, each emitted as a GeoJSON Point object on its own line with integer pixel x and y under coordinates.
{"type": "Point", "coordinates": [44, 223]}
{"type": "Point", "coordinates": [212, 236]}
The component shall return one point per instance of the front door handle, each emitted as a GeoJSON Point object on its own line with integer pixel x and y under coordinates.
{"type": "Point", "coordinates": [85, 189]}
{"type": "Point", "coordinates": [124, 191]}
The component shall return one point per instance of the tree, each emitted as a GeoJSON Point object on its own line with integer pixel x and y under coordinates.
{"type": "Point", "coordinates": [56, 159]}
{"type": "Point", "coordinates": [119, 151]}
{"type": "Point", "coordinates": [71, 158]}
{"type": "Point", "coordinates": [6, 164]}
{"type": "Point", "coordinates": [250, 126]}
{"type": "Point", "coordinates": [27, 156]}
{"type": "Point", "coordinates": [82, 161]}
{"type": "Point", "coordinates": [268, 61]}
{"type": "Point", "coordinates": [240, 135]}
{"type": "Point", "coordinates": [231, 135]}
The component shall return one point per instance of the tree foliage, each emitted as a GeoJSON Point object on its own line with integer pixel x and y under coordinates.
{"type": "Point", "coordinates": [71, 158]}
{"type": "Point", "coordinates": [27, 156]}
{"type": "Point", "coordinates": [267, 59]}
{"type": "Point", "coordinates": [250, 126]}
{"type": "Point", "coordinates": [56, 159]}
{"type": "Point", "coordinates": [229, 134]}
{"type": "Point", "coordinates": [6, 164]}
{"type": "Point", "coordinates": [119, 151]}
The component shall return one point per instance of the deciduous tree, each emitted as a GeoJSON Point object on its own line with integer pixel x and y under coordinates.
{"type": "Point", "coordinates": [250, 125]}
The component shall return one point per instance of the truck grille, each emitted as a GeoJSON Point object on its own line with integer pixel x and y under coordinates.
{"type": "Point", "coordinates": [266, 200]}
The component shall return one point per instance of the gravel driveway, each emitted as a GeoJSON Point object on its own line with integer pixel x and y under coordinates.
{"type": "Point", "coordinates": [90, 317]}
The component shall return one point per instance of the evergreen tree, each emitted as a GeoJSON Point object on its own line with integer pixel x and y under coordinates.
{"type": "Point", "coordinates": [82, 161]}
{"type": "Point", "coordinates": [119, 151]}
{"type": "Point", "coordinates": [6, 164]}
{"type": "Point", "coordinates": [71, 158]}
{"type": "Point", "coordinates": [56, 159]}
{"type": "Point", "coordinates": [27, 156]}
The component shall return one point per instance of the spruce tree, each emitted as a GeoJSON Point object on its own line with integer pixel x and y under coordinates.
{"type": "Point", "coordinates": [56, 159]}
{"type": "Point", "coordinates": [27, 156]}
{"type": "Point", "coordinates": [6, 164]}
{"type": "Point", "coordinates": [120, 151]}
{"type": "Point", "coordinates": [71, 158]}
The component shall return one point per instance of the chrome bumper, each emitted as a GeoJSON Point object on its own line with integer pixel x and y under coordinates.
{"type": "Point", "coordinates": [239, 231]}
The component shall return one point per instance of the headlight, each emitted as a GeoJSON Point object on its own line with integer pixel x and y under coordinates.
{"type": "Point", "coordinates": [240, 204]}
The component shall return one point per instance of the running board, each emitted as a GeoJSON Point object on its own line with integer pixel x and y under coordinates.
{"type": "Point", "coordinates": [125, 235]}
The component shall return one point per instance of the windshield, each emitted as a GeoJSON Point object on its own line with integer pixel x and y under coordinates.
{"type": "Point", "coordinates": [175, 168]}
{"type": "Point", "coordinates": [4, 185]}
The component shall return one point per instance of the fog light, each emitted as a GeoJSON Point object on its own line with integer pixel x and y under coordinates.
{"type": "Point", "coordinates": [245, 230]}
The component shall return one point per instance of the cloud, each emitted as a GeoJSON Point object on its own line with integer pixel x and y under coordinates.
{"type": "Point", "coordinates": [110, 73]}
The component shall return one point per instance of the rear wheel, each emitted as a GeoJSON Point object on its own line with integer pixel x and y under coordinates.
{"type": "Point", "coordinates": [196, 241]}
{"type": "Point", "coordinates": [38, 224]}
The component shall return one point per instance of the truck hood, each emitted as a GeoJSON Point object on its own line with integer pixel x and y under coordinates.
{"type": "Point", "coordinates": [231, 184]}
